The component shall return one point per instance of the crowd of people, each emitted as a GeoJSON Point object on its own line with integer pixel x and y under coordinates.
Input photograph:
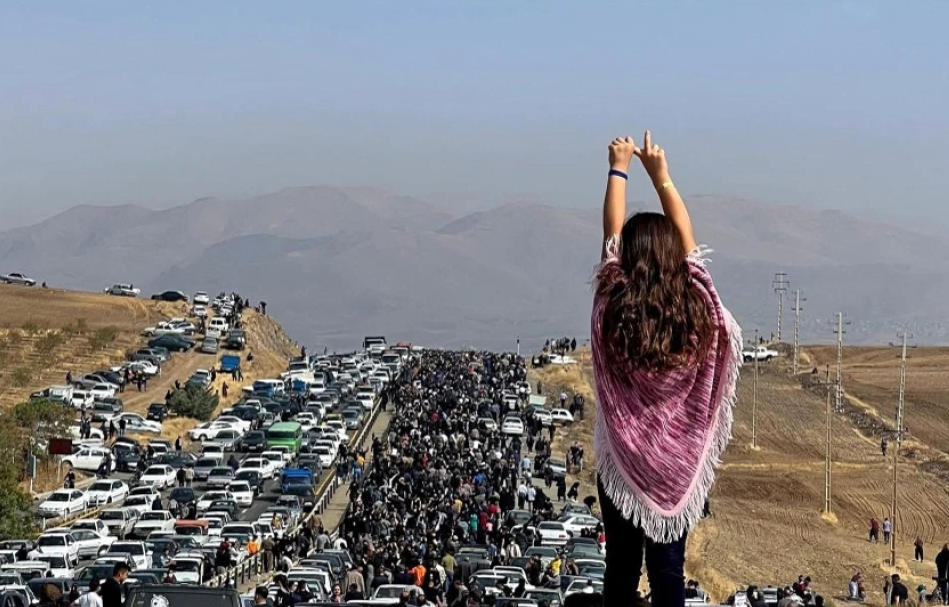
{"type": "Point", "coordinates": [441, 480]}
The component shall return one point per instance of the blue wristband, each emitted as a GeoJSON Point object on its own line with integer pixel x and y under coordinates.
{"type": "Point", "coordinates": [614, 172]}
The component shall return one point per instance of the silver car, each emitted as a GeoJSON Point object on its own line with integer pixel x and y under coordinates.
{"type": "Point", "coordinates": [209, 345]}
{"type": "Point", "coordinates": [16, 278]}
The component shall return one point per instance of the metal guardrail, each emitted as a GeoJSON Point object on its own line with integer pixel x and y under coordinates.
{"type": "Point", "coordinates": [253, 567]}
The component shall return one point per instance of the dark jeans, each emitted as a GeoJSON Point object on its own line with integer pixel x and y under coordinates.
{"type": "Point", "coordinates": [625, 545]}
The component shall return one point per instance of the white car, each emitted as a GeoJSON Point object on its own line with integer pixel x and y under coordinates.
{"type": "Point", "coordinates": [58, 542]}
{"type": "Point", "coordinates": [90, 544]}
{"type": "Point", "coordinates": [201, 297]}
{"type": "Point", "coordinates": [163, 328]}
{"type": "Point", "coordinates": [136, 550]}
{"type": "Point", "coordinates": [60, 565]}
{"type": "Point", "coordinates": [124, 290]}
{"type": "Point", "coordinates": [94, 525]}
{"type": "Point", "coordinates": [106, 491]}
{"type": "Point", "coordinates": [208, 430]}
{"type": "Point", "coordinates": [259, 464]}
{"type": "Point", "coordinates": [544, 416]}
{"type": "Point", "coordinates": [306, 419]}
{"type": "Point", "coordinates": [136, 423]}
{"type": "Point", "coordinates": [512, 426]}
{"type": "Point", "coordinates": [141, 503]}
{"type": "Point", "coordinates": [215, 452]}
{"type": "Point", "coordinates": [102, 391]}
{"type": "Point", "coordinates": [552, 533]}
{"type": "Point", "coordinates": [88, 458]}
{"type": "Point", "coordinates": [138, 366]}
{"type": "Point", "coordinates": [338, 426]}
{"type": "Point", "coordinates": [199, 311]}
{"type": "Point", "coordinates": [242, 492]}
{"type": "Point", "coordinates": [576, 523]}
{"type": "Point", "coordinates": [154, 520]}
{"type": "Point", "coordinates": [204, 502]}
{"type": "Point", "coordinates": [81, 399]}
{"type": "Point", "coordinates": [488, 423]}
{"type": "Point", "coordinates": [161, 475]}
{"type": "Point", "coordinates": [275, 458]}
{"type": "Point", "coordinates": [366, 400]}
{"type": "Point", "coordinates": [561, 417]}
{"type": "Point", "coordinates": [325, 454]}
{"type": "Point", "coordinates": [241, 424]}
{"type": "Point", "coordinates": [63, 502]}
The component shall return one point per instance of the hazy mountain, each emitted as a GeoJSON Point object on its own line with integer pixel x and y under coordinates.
{"type": "Point", "coordinates": [335, 264]}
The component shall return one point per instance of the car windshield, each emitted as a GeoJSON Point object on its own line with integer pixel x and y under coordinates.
{"type": "Point", "coordinates": [55, 561]}
{"type": "Point", "coordinates": [59, 497]}
{"type": "Point", "coordinates": [157, 515]}
{"type": "Point", "coordinates": [388, 592]}
{"type": "Point", "coordinates": [178, 598]}
{"type": "Point", "coordinates": [101, 486]}
{"type": "Point", "coordinates": [112, 515]}
{"type": "Point", "coordinates": [95, 572]}
{"type": "Point", "coordinates": [127, 548]}
{"type": "Point", "coordinates": [51, 540]}
{"type": "Point", "coordinates": [182, 493]}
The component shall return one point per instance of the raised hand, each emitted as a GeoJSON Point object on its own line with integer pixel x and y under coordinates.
{"type": "Point", "coordinates": [653, 158]}
{"type": "Point", "coordinates": [622, 150]}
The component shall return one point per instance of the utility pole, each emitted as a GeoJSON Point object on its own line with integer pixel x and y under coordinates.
{"type": "Point", "coordinates": [797, 328]}
{"type": "Point", "coordinates": [754, 398]}
{"type": "Point", "coordinates": [840, 352]}
{"type": "Point", "coordinates": [828, 454]}
{"type": "Point", "coordinates": [780, 285]}
{"type": "Point", "coordinates": [896, 451]}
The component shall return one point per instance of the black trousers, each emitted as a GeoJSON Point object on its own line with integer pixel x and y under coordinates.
{"type": "Point", "coordinates": [625, 545]}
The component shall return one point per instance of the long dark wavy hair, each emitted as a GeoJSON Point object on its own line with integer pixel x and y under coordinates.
{"type": "Point", "coordinates": [654, 317]}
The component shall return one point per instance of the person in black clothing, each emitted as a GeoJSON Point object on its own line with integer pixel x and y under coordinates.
{"type": "Point", "coordinates": [353, 594]}
{"type": "Point", "coordinates": [262, 597]}
{"type": "Point", "coordinates": [899, 592]}
{"type": "Point", "coordinates": [942, 570]}
{"type": "Point", "coordinates": [112, 588]}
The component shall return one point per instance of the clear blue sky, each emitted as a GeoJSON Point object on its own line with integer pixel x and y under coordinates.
{"type": "Point", "coordinates": [820, 103]}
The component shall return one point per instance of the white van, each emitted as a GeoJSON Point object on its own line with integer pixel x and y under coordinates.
{"type": "Point", "coordinates": [217, 327]}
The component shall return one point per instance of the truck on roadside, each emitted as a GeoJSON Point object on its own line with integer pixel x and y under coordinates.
{"type": "Point", "coordinates": [761, 353]}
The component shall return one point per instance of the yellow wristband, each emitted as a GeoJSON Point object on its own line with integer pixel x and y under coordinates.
{"type": "Point", "coordinates": [666, 185]}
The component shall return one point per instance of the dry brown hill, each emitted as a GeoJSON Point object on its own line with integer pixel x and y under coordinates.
{"type": "Point", "coordinates": [45, 333]}
{"type": "Point", "coordinates": [767, 526]}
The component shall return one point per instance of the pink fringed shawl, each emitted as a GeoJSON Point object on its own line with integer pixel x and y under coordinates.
{"type": "Point", "coordinates": [660, 436]}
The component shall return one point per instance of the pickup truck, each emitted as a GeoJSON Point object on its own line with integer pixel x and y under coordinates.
{"type": "Point", "coordinates": [760, 353]}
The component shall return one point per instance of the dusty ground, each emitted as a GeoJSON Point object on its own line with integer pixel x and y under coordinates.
{"type": "Point", "coordinates": [46, 333]}
{"type": "Point", "coordinates": [767, 526]}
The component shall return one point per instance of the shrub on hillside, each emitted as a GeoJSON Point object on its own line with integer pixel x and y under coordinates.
{"type": "Point", "coordinates": [50, 341]}
{"type": "Point", "coordinates": [30, 328]}
{"type": "Point", "coordinates": [193, 401]}
{"type": "Point", "coordinates": [76, 327]}
{"type": "Point", "coordinates": [22, 377]}
{"type": "Point", "coordinates": [100, 338]}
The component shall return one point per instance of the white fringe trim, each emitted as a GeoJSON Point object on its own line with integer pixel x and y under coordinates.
{"type": "Point", "coordinates": [628, 500]}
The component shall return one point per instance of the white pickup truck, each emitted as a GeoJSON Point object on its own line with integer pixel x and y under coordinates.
{"type": "Point", "coordinates": [760, 353]}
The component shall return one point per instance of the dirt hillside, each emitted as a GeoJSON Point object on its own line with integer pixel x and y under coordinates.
{"type": "Point", "coordinates": [46, 333]}
{"type": "Point", "coordinates": [767, 526]}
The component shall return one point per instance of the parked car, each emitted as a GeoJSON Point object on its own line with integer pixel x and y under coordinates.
{"type": "Point", "coordinates": [106, 491]}
{"type": "Point", "coordinates": [123, 290]}
{"type": "Point", "coordinates": [134, 422]}
{"type": "Point", "coordinates": [120, 521]}
{"type": "Point", "coordinates": [236, 339]}
{"type": "Point", "coordinates": [170, 296]}
{"type": "Point", "coordinates": [172, 342]}
{"type": "Point", "coordinates": [254, 441]}
{"type": "Point", "coordinates": [161, 475]}
{"type": "Point", "coordinates": [209, 345]}
{"type": "Point", "coordinates": [157, 412]}
{"type": "Point", "coordinates": [17, 278]}
{"type": "Point", "coordinates": [87, 458]}
{"type": "Point", "coordinates": [201, 297]}
{"type": "Point", "coordinates": [153, 520]}
{"type": "Point", "coordinates": [63, 502]}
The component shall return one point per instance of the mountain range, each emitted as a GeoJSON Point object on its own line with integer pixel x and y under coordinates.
{"type": "Point", "coordinates": [334, 264]}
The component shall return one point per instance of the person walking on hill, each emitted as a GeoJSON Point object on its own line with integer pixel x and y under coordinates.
{"type": "Point", "coordinates": [887, 530]}
{"type": "Point", "coordinates": [918, 549]}
{"type": "Point", "coordinates": [665, 382]}
{"type": "Point", "coordinates": [874, 530]}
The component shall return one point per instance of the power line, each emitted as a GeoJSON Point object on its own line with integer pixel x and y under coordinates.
{"type": "Point", "coordinates": [780, 285]}
{"type": "Point", "coordinates": [839, 330]}
{"type": "Point", "coordinates": [754, 397]}
{"type": "Point", "coordinates": [828, 449]}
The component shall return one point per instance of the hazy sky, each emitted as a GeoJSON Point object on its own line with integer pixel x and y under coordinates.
{"type": "Point", "coordinates": [823, 103]}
